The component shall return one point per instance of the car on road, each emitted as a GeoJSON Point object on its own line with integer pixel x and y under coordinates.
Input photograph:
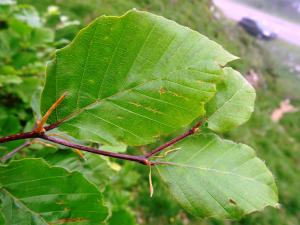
{"type": "Point", "coordinates": [256, 29]}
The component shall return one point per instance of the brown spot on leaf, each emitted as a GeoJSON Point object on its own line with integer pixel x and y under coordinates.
{"type": "Point", "coordinates": [60, 202]}
{"type": "Point", "coordinates": [135, 104]}
{"type": "Point", "coordinates": [178, 95]}
{"type": "Point", "coordinates": [67, 220]}
{"type": "Point", "coordinates": [231, 201]}
{"type": "Point", "coordinates": [153, 110]}
{"type": "Point", "coordinates": [221, 66]}
{"type": "Point", "coordinates": [162, 91]}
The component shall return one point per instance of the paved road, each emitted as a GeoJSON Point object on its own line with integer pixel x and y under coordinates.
{"type": "Point", "coordinates": [286, 30]}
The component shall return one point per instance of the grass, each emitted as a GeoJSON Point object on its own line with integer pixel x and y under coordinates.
{"type": "Point", "coordinates": [285, 58]}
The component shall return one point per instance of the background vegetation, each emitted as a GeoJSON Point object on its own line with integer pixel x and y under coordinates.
{"type": "Point", "coordinates": [24, 52]}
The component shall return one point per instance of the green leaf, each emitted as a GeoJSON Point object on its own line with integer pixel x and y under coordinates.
{"type": "Point", "coordinates": [121, 215]}
{"type": "Point", "coordinates": [132, 78]}
{"type": "Point", "coordinates": [233, 104]}
{"type": "Point", "coordinates": [210, 176]}
{"type": "Point", "coordinates": [35, 102]}
{"type": "Point", "coordinates": [35, 193]}
{"type": "Point", "coordinates": [15, 212]}
{"type": "Point", "coordinates": [9, 124]}
{"type": "Point", "coordinates": [94, 168]}
{"type": "Point", "coordinates": [26, 89]}
{"type": "Point", "coordinates": [114, 148]}
{"type": "Point", "coordinates": [41, 36]}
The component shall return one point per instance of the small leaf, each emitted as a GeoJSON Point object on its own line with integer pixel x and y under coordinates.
{"type": "Point", "coordinates": [233, 104]}
{"type": "Point", "coordinates": [32, 192]}
{"type": "Point", "coordinates": [132, 78]}
{"type": "Point", "coordinates": [214, 177]}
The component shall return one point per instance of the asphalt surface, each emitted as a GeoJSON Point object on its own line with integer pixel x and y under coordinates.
{"type": "Point", "coordinates": [285, 30]}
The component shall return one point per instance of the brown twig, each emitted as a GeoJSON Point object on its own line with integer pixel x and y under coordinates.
{"type": "Point", "coordinates": [144, 159]}
{"type": "Point", "coordinates": [40, 125]}
{"type": "Point", "coordinates": [191, 131]}
{"type": "Point", "coordinates": [40, 130]}
{"type": "Point", "coordinates": [15, 151]}
{"type": "Point", "coordinates": [26, 135]}
{"type": "Point", "coordinates": [139, 159]}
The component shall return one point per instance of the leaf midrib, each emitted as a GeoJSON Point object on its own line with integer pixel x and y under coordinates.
{"type": "Point", "coordinates": [80, 110]}
{"type": "Point", "coordinates": [211, 170]}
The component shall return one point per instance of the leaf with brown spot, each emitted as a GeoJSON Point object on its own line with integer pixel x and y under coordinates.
{"type": "Point", "coordinates": [69, 197]}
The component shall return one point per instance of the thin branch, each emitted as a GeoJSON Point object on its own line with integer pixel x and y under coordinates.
{"type": "Point", "coordinates": [191, 131]}
{"type": "Point", "coordinates": [15, 151]}
{"type": "Point", "coordinates": [40, 125]}
{"type": "Point", "coordinates": [26, 135]}
{"type": "Point", "coordinates": [53, 126]}
{"type": "Point", "coordinates": [140, 159]}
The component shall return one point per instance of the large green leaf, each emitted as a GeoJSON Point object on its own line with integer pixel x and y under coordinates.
{"type": "Point", "coordinates": [32, 192]}
{"type": "Point", "coordinates": [214, 177]}
{"type": "Point", "coordinates": [233, 103]}
{"type": "Point", "coordinates": [132, 78]}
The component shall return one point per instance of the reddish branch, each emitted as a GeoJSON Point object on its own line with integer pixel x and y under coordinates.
{"type": "Point", "coordinates": [26, 135]}
{"type": "Point", "coordinates": [40, 132]}
{"type": "Point", "coordinates": [191, 131]}
{"type": "Point", "coordinates": [144, 159]}
{"type": "Point", "coordinates": [15, 151]}
{"type": "Point", "coordinates": [140, 159]}
{"type": "Point", "coordinates": [31, 134]}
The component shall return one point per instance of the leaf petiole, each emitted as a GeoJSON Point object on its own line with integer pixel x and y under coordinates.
{"type": "Point", "coordinates": [40, 124]}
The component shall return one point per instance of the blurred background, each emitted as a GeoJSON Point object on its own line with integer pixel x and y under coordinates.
{"type": "Point", "coordinates": [265, 34]}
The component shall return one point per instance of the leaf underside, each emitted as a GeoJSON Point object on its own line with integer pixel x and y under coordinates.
{"type": "Point", "coordinates": [233, 103]}
{"type": "Point", "coordinates": [35, 194]}
{"type": "Point", "coordinates": [211, 177]}
{"type": "Point", "coordinates": [133, 78]}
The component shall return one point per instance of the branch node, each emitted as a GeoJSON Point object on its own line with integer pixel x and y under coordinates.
{"type": "Point", "coordinates": [191, 131]}
{"type": "Point", "coordinates": [196, 128]}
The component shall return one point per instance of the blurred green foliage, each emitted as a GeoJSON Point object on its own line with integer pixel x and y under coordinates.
{"type": "Point", "coordinates": [24, 50]}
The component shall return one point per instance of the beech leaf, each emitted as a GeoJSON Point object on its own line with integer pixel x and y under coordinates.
{"type": "Point", "coordinates": [233, 103]}
{"type": "Point", "coordinates": [33, 193]}
{"type": "Point", "coordinates": [212, 177]}
{"type": "Point", "coordinates": [132, 78]}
